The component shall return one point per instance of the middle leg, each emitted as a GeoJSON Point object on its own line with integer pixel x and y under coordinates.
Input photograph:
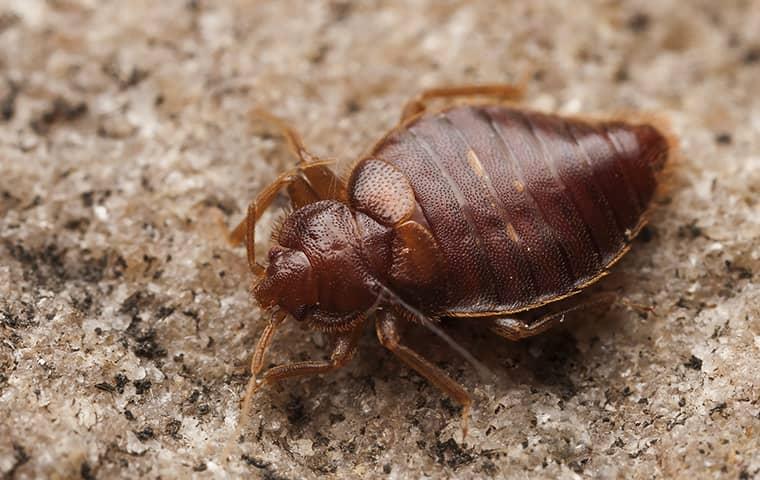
{"type": "Point", "coordinates": [387, 333]}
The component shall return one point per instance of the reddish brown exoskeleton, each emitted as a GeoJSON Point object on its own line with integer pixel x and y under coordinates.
{"type": "Point", "coordinates": [476, 212]}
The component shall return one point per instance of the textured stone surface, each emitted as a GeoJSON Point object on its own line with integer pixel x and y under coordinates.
{"type": "Point", "coordinates": [125, 323]}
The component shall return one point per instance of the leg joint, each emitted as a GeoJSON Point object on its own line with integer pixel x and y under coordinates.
{"type": "Point", "coordinates": [387, 333]}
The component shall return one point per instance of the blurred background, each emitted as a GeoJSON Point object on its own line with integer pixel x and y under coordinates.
{"type": "Point", "coordinates": [126, 326]}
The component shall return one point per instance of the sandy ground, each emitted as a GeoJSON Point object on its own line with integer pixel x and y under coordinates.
{"type": "Point", "coordinates": [125, 322]}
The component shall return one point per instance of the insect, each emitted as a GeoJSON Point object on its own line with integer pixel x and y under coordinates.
{"type": "Point", "coordinates": [477, 212]}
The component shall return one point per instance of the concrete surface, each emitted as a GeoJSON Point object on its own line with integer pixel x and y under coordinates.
{"type": "Point", "coordinates": [125, 322]}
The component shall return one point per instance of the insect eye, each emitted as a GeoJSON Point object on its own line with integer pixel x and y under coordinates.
{"type": "Point", "coordinates": [275, 253]}
{"type": "Point", "coordinates": [299, 314]}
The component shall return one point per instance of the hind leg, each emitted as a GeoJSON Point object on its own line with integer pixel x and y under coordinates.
{"type": "Point", "coordinates": [516, 329]}
{"type": "Point", "coordinates": [419, 103]}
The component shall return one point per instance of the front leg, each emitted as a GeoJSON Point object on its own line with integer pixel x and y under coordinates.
{"type": "Point", "coordinates": [301, 193]}
{"type": "Point", "coordinates": [343, 351]}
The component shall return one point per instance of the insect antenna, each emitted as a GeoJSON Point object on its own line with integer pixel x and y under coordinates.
{"type": "Point", "coordinates": [482, 370]}
{"type": "Point", "coordinates": [257, 363]}
{"type": "Point", "coordinates": [250, 242]}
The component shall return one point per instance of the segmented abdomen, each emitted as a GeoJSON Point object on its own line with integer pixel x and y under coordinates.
{"type": "Point", "coordinates": [524, 207]}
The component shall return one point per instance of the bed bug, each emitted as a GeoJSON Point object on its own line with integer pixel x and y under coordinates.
{"type": "Point", "coordinates": [475, 211]}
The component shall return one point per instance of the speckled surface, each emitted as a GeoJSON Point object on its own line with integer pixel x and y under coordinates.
{"type": "Point", "coordinates": [125, 323]}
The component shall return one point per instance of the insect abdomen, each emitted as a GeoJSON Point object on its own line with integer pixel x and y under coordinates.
{"type": "Point", "coordinates": [524, 207]}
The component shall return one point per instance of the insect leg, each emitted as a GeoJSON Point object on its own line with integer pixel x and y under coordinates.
{"type": "Point", "coordinates": [316, 175]}
{"type": "Point", "coordinates": [387, 333]}
{"type": "Point", "coordinates": [245, 230]}
{"type": "Point", "coordinates": [293, 138]}
{"type": "Point", "coordinates": [419, 103]}
{"type": "Point", "coordinates": [343, 351]}
{"type": "Point", "coordinates": [515, 329]}
{"type": "Point", "coordinates": [301, 193]}
{"type": "Point", "coordinates": [322, 183]}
